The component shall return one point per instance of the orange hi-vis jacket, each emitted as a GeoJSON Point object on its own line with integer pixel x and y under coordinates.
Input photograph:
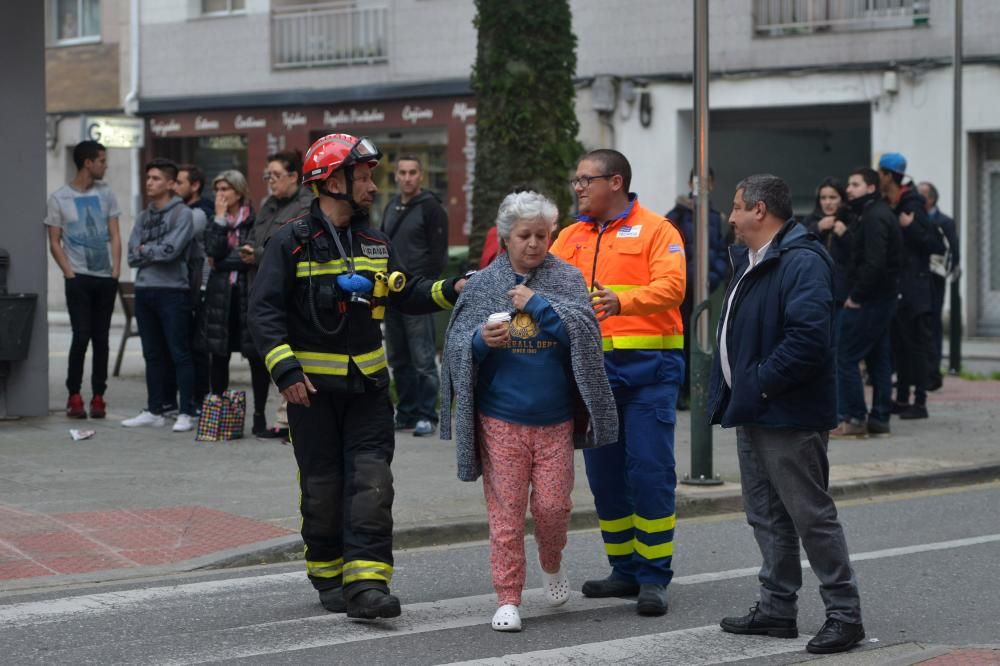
{"type": "Point", "coordinates": [641, 258]}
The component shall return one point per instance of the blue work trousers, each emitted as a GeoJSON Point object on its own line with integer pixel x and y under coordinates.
{"type": "Point", "coordinates": [634, 480]}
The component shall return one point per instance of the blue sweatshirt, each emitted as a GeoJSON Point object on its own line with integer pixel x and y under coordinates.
{"type": "Point", "coordinates": [526, 382]}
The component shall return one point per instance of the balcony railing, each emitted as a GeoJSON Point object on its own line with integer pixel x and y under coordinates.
{"type": "Point", "coordinates": [795, 17]}
{"type": "Point", "coordinates": [329, 34]}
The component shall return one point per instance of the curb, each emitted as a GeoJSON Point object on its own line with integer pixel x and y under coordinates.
{"type": "Point", "coordinates": [688, 505]}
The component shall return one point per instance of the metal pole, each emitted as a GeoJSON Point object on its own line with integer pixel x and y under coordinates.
{"type": "Point", "coordinates": [701, 340]}
{"type": "Point", "coordinates": [955, 302]}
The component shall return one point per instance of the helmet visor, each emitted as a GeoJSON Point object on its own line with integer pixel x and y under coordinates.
{"type": "Point", "coordinates": [365, 151]}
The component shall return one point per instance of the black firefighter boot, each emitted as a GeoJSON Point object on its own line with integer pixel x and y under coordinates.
{"type": "Point", "coordinates": [333, 600]}
{"type": "Point", "coordinates": [373, 603]}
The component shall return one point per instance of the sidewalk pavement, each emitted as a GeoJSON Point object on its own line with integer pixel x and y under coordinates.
{"type": "Point", "coordinates": [132, 502]}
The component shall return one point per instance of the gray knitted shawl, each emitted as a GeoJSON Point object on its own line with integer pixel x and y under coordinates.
{"type": "Point", "coordinates": [561, 284]}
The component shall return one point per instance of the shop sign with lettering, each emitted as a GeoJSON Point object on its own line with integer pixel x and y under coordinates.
{"type": "Point", "coordinates": [353, 117]}
{"type": "Point", "coordinates": [164, 127]}
{"type": "Point", "coordinates": [249, 122]}
{"type": "Point", "coordinates": [115, 132]}
{"type": "Point", "coordinates": [414, 114]}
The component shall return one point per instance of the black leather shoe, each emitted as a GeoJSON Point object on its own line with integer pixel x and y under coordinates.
{"type": "Point", "coordinates": [876, 427]}
{"type": "Point", "coordinates": [898, 407]}
{"type": "Point", "coordinates": [836, 636]}
{"type": "Point", "coordinates": [652, 599]}
{"type": "Point", "coordinates": [372, 604]}
{"type": "Point", "coordinates": [610, 587]}
{"type": "Point", "coordinates": [758, 624]}
{"type": "Point", "coordinates": [333, 600]}
{"type": "Point", "coordinates": [914, 412]}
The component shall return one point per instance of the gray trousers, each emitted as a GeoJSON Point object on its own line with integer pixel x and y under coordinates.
{"type": "Point", "coordinates": [785, 476]}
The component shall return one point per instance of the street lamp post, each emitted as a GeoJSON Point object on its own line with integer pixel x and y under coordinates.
{"type": "Point", "coordinates": [698, 329]}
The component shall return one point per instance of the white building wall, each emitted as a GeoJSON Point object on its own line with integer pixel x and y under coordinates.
{"type": "Point", "coordinates": [915, 121]}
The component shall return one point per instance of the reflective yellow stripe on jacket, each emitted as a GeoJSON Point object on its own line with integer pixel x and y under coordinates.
{"type": "Point", "coordinates": [305, 269]}
{"type": "Point", "coordinates": [276, 355]}
{"type": "Point", "coordinates": [610, 342]}
{"type": "Point", "coordinates": [437, 293]}
{"type": "Point", "coordinates": [356, 570]}
{"type": "Point", "coordinates": [322, 363]}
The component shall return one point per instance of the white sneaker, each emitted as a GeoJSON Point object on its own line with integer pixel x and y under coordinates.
{"type": "Point", "coordinates": [145, 419]}
{"type": "Point", "coordinates": [555, 587]}
{"type": "Point", "coordinates": [507, 618]}
{"type": "Point", "coordinates": [183, 423]}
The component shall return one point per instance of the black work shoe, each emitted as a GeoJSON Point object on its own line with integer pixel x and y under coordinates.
{"type": "Point", "coordinates": [372, 604]}
{"type": "Point", "coordinates": [914, 412]}
{"type": "Point", "coordinates": [652, 599]}
{"type": "Point", "coordinates": [876, 427]}
{"type": "Point", "coordinates": [836, 636]}
{"type": "Point", "coordinates": [758, 624]}
{"type": "Point", "coordinates": [610, 587]}
{"type": "Point", "coordinates": [333, 600]}
{"type": "Point", "coordinates": [898, 407]}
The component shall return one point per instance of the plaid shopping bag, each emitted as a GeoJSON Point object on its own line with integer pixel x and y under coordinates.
{"type": "Point", "coordinates": [222, 417]}
{"type": "Point", "coordinates": [234, 412]}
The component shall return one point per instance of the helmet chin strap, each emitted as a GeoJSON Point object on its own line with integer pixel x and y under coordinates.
{"type": "Point", "coordinates": [349, 197]}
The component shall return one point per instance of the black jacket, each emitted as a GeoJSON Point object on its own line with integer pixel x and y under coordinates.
{"type": "Point", "coordinates": [419, 233]}
{"type": "Point", "coordinates": [213, 317]}
{"type": "Point", "coordinates": [779, 338]}
{"type": "Point", "coordinates": [876, 252]}
{"type": "Point", "coordinates": [839, 247]}
{"type": "Point", "coordinates": [303, 323]}
{"type": "Point", "coordinates": [274, 213]}
{"type": "Point", "coordinates": [920, 241]}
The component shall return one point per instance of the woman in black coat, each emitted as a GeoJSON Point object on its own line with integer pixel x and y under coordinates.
{"type": "Point", "coordinates": [831, 220]}
{"type": "Point", "coordinates": [223, 324]}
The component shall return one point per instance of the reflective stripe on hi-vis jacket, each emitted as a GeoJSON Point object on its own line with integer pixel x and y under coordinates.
{"type": "Point", "coordinates": [356, 570]}
{"type": "Point", "coordinates": [640, 258]}
{"type": "Point", "coordinates": [322, 363]}
{"type": "Point", "coordinates": [437, 293]}
{"type": "Point", "coordinates": [276, 355]}
{"type": "Point", "coordinates": [305, 269]}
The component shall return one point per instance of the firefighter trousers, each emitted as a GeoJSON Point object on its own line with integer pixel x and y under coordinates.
{"type": "Point", "coordinates": [634, 480]}
{"type": "Point", "coordinates": [344, 444]}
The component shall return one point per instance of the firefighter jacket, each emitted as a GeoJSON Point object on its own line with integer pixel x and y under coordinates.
{"type": "Point", "coordinates": [639, 255]}
{"type": "Point", "coordinates": [302, 321]}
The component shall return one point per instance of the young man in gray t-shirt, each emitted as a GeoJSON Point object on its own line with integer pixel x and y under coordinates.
{"type": "Point", "coordinates": [84, 239]}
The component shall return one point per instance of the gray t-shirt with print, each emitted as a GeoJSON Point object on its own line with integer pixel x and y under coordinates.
{"type": "Point", "coordinates": [83, 218]}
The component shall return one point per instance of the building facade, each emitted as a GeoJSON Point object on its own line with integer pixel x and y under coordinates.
{"type": "Point", "coordinates": [801, 88]}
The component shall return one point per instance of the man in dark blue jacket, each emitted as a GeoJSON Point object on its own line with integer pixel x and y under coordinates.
{"type": "Point", "coordinates": [773, 379]}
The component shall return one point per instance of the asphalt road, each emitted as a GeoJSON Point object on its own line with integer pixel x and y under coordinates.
{"type": "Point", "coordinates": [928, 565]}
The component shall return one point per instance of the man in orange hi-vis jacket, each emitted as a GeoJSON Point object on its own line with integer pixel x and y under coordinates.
{"type": "Point", "coordinates": [633, 259]}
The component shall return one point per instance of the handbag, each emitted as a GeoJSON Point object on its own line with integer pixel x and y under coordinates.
{"type": "Point", "coordinates": [222, 417]}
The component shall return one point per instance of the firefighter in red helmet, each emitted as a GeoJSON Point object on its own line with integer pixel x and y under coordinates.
{"type": "Point", "coordinates": [321, 289]}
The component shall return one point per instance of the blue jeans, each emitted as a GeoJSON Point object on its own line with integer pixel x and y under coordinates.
{"type": "Point", "coordinates": [865, 334]}
{"type": "Point", "coordinates": [164, 318]}
{"type": "Point", "coordinates": [412, 355]}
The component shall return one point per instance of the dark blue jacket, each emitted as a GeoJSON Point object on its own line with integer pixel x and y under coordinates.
{"type": "Point", "coordinates": [682, 216]}
{"type": "Point", "coordinates": [779, 338]}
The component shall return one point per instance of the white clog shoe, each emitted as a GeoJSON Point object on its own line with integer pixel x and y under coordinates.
{"type": "Point", "coordinates": [507, 618]}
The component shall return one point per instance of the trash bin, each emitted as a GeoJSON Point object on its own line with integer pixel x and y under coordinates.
{"type": "Point", "coordinates": [17, 314]}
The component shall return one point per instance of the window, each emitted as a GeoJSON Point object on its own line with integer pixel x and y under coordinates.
{"type": "Point", "coordinates": [77, 21]}
{"type": "Point", "coordinates": [222, 6]}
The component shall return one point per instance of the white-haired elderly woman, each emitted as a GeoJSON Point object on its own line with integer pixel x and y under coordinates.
{"type": "Point", "coordinates": [223, 320]}
{"type": "Point", "coordinates": [526, 388]}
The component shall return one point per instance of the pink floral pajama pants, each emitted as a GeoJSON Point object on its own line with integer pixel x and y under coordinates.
{"type": "Point", "coordinates": [515, 456]}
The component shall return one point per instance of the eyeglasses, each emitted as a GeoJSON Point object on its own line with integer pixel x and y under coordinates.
{"type": "Point", "coordinates": [270, 175]}
{"type": "Point", "coordinates": [583, 182]}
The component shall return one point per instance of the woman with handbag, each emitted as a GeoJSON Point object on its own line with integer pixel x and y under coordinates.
{"type": "Point", "coordinates": [523, 361]}
{"type": "Point", "coordinates": [223, 321]}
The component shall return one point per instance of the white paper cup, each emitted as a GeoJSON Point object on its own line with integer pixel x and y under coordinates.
{"type": "Point", "coordinates": [498, 316]}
